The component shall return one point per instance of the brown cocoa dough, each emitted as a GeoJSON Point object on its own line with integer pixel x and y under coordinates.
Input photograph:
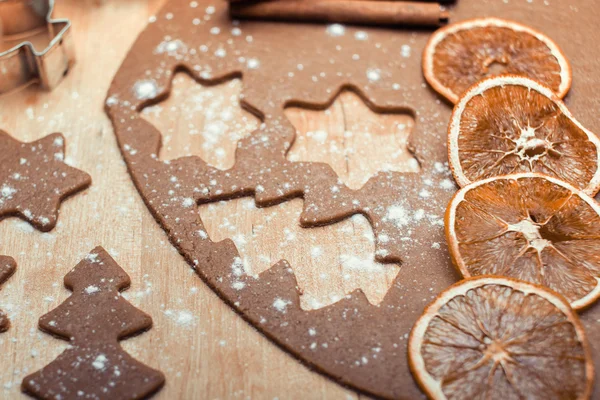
{"type": "Point", "coordinates": [34, 179]}
{"type": "Point", "coordinates": [7, 268]}
{"type": "Point", "coordinates": [94, 318]}
{"type": "Point", "coordinates": [281, 65]}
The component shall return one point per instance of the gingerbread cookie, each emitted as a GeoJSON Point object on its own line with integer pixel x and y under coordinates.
{"type": "Point", "coordinates": [284, 65]}
{"type": "Point", "coordinates": [34, 179]}
{"type": "Point", "coordinates": [7, 268]}
{"type": "Point", "coordinates": [94, 319]}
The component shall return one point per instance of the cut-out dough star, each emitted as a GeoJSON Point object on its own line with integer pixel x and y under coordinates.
{"type": "Point", "coordinates": [34, 179]}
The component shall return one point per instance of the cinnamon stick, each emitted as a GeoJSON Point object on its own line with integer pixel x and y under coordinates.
{"type": "Point", "coordinates": [362, 12]}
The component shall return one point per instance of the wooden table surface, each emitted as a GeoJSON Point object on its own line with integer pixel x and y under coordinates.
{"type": "Point", "coordinates": [205, 350]}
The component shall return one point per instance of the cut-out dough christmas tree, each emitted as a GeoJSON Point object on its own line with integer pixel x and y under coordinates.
{"type": "Point", "coordinates": [95, 318]}
{"type": "Point", "coordinates": [7, 268]}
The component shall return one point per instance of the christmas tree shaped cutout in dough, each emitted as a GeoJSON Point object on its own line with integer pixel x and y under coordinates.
{"type": "Point", "coordinates": [94, 318]}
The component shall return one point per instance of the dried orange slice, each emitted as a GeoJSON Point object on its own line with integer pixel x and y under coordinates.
{"type": "Point", "coordinates": [512, 124]}
{"type": "Point", "coordinates": [496, 338]}
{"type": "Point", "coordinates": [531, 227]}
{"type": "Point", "coordinates": [461, 54]}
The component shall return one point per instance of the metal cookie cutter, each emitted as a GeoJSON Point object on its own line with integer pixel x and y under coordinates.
{"type": "Point", "coordinates": [25, 27]}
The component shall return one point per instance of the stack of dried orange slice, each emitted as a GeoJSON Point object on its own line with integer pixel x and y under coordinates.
{"type": "Point", "coordinates": [524, 230]}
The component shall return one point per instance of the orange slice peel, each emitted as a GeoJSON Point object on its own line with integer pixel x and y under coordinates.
{"type": "Point", "coordinates": [512, 124]}
{"type": "Point", "coordinates": [530, 227]}
{"type": "Point", "coordinates": [500, 338]}
{"type": "Point", "coordinates": [459, 55]}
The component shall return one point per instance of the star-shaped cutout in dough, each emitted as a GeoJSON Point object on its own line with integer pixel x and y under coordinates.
{"type": "Point", "coordinates": [356, 141]}
{"type": "Point", "coordinates": [34, 179]}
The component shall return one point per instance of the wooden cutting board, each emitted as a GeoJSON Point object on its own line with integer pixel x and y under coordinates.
{"type": "Point", "coordinates": [202, 346]}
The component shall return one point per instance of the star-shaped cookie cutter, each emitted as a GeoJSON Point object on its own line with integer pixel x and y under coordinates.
{"type": "Point", "coordinates": [22, 64]}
